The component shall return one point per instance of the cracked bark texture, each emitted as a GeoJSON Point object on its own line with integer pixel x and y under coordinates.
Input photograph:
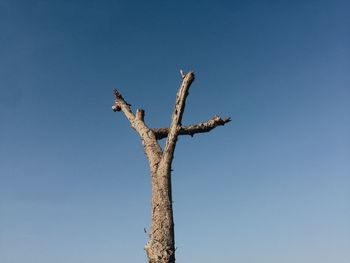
{"type": "Point", "coordinates": [160, 247]}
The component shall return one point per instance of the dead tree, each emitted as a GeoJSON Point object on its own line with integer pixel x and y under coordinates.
{"type": "Point", "coordinates": [160, 247]}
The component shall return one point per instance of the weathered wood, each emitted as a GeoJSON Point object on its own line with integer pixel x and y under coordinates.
{"type": "Point", "coordinates": [149, 141]}
{"type": "Point", "coordinates": [177, 118]}
{"type": "Point", "coordinates": [160, 247]}
{"type": "Point", "coordinates": [193, 129]}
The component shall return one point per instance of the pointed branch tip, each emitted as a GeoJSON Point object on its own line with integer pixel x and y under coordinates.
{"type": "Point", "coordinates": [227, 119]}
{"type": "Point", "coordinates": [116, 93]}
{"type": "Point", "coordinates": [182, 73]}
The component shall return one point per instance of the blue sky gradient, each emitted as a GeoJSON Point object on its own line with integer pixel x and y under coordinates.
{"type": "Point", "coordinates": [272, 186]}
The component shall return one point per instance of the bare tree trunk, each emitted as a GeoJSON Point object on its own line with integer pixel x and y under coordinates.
{"type": "Point", "coordinates": [160, 247]}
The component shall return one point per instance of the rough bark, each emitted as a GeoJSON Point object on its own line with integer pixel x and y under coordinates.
{"type": "Point", "coordinates": [160, 247]}
{"type": "Point", "coordinates": [191, 130]}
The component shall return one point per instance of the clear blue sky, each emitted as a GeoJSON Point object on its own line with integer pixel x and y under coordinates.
{"type": "Point", "coordinates": [273, 186]}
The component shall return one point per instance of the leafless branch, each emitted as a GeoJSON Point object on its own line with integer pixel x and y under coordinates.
{"type": "Point", "coordinates": [177, 117]}
{"type": "Point", "coordinates": [203, 127]}
{"type": "Point", "coordinates": [149, 141]}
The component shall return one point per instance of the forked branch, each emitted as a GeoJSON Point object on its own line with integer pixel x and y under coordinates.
{"type": "Point", "coordinates": [150, 136]}
{"type": "Point", "coordinates": [149, 141]}
{"type": "Point", "coordinates": [160, 247]}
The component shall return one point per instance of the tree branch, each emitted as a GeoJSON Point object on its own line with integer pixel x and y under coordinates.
{"type": "Point", "coordinates": [179, 108]}
{"type": "Point", "coordinates": [149, 141]}
{"type": "Point", "coordinates": [203, 127]}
